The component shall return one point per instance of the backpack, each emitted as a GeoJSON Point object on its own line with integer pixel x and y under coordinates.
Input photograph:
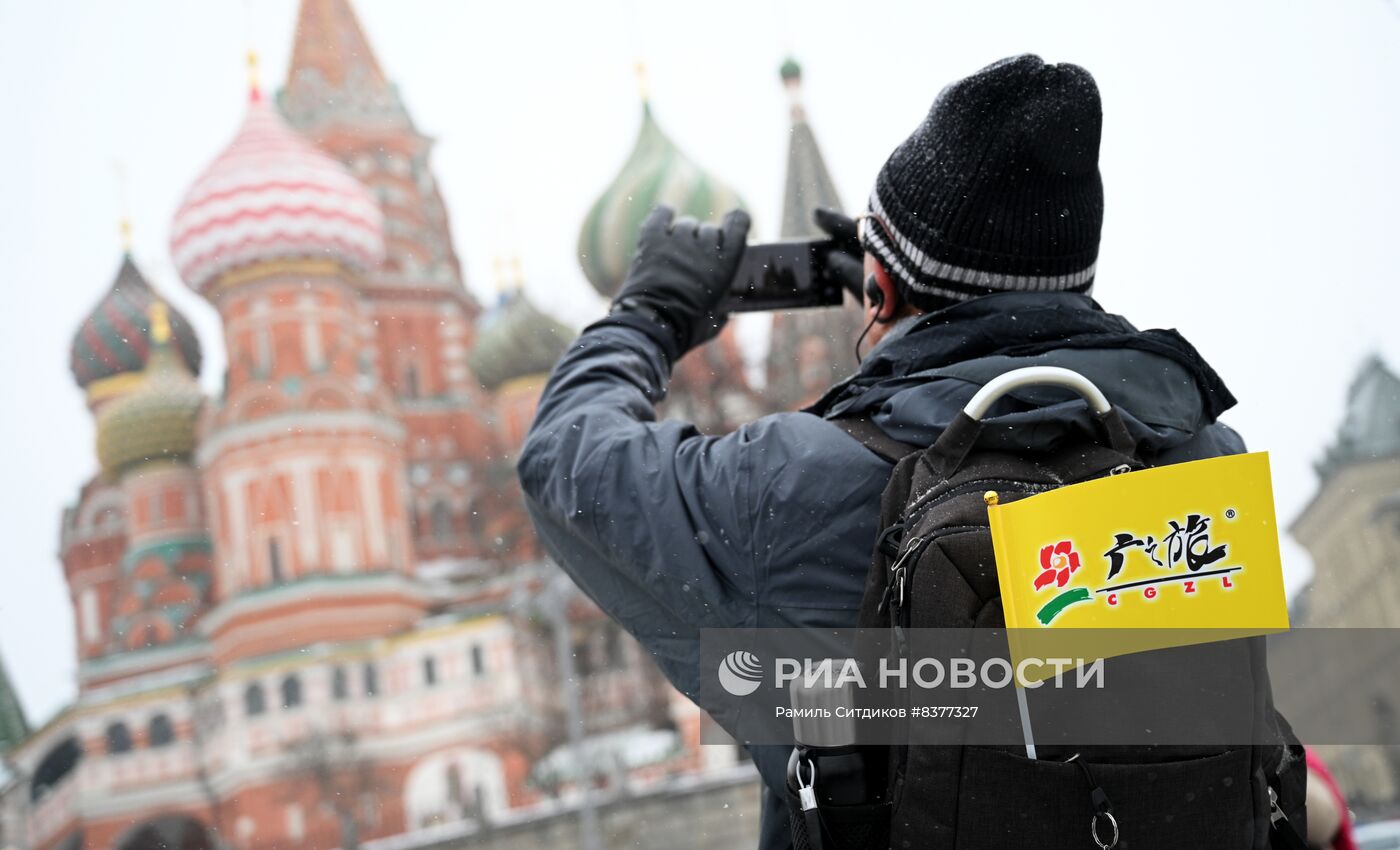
{"type": "Point", "coordinates": [933, 567]}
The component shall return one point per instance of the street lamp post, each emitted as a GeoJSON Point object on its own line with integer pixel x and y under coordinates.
{"type": "Point", "coordinates": [552, 602]}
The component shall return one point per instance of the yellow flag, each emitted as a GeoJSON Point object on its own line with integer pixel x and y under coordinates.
{"type": "Point", "coordinates": [1170, 556]}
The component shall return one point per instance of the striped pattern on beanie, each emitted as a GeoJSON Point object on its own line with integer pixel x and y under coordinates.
{"type": "Point", "coordinates": [997, 190]}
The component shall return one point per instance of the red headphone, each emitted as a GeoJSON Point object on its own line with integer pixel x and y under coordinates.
{"type": "Point", "coordinates": [876, 296]}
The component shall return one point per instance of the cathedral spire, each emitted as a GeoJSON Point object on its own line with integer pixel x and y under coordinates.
{"type": "Point", "coordinates": [809, 350]}
{"type": "Point", "coordinates": [337, 96]}
{"type": "Point", "coordinates": [808, 184]}
{"type": "Point", "coordinates": [331, 46]}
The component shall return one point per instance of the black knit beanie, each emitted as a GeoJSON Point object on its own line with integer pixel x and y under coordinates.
{"type": "Point", "coordinates": [997, 190]}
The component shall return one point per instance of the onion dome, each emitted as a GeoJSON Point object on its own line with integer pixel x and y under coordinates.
{"type": "Point", "coordinates": [271, 195]}
{"type": "Point", "coordinates": [516, 339]}
{"type": "Point", "coordinates": [656, 172]}
{"type": "Point", "coordinates": [155, 421]}
{"type": "Point", "coordinates": [114, 339]}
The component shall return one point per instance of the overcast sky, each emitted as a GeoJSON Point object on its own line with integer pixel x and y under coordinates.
{"type": "Point", "coordinates": [1249, 158]}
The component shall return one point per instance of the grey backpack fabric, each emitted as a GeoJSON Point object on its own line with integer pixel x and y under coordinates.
{"type": "Point", "coordinates": [933, 567]}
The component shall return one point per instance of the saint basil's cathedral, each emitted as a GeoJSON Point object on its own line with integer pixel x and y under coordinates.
{"type": "Point", "coordinates": [309, 610]}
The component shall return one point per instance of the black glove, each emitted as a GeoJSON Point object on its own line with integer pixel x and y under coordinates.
{"type": "Point", "coordinates": [846, 264]}
{"type": "Point", "coordinates": [680, 275]}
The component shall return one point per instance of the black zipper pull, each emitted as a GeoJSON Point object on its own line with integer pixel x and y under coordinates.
{"type": "Point", "coordinates": [895, 591]}
{"type": "Point", "coordinates": [885, 597]}
{"type": "Point", "coordinates": [1103, 808]}
{"type": "Point", "coordinates": [901, 643]}
{"type": "Point", "coordinates": [893, 597]}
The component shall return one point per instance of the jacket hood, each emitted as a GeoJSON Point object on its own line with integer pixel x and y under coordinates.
{"type": "Point", "coordinates": [921, 371]}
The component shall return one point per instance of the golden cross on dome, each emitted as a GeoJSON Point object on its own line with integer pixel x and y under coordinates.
{"type": "Point", "coordinates": [251, 57]}
{"type": "Point", "coordinates": [252, 60]}
{"type": "Point", "coordinates": [642, 85]}
{"type": "Point", "coordinates": [123, 207]}
{"type": "Point", "coordinates": [509, 277]}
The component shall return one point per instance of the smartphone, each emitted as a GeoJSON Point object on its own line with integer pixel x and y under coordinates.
{"type": "Point", "coordinates": [788, 275]}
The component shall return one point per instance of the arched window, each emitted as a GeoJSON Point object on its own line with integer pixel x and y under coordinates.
{"type": "Point", "coordinates": [118, 738]}
{"type": "Point", "coordinates": [55, 767]}
{"type": "Point", "coordinates": [442, 521]}
{"type": "Point", "coordinates": [478, 659]}
{"type": "Point", "coordinates": [160, 732]}
{"type": "Point", "coordinates": [291, 692]}
{"type": "Point", "coordinates": [410, 381]}
{"type": "Point", "coordinates": [371, 680]}
{"type": "Point", "coordinates": [429, 670]}
{"type": "Point", "coordinates": [165, 831]}
{"type": "Point", "coordinates": [340, 684]}
{"type": "Point", "coordinates": [254, 700]}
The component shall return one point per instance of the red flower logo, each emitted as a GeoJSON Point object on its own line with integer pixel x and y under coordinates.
{"type": "Point", "coordinates": [1057, 563]}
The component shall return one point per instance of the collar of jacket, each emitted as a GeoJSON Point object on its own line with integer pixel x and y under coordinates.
{"type": "Point", "coordinates": [1012, 324]}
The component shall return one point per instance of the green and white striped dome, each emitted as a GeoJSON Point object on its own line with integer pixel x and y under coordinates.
{"type": "Point", "coordinates": [656, 172]}
{"type": "Point", "coordinates": [516, 339]}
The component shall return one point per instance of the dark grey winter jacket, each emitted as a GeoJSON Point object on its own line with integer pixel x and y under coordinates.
{"type": "Point", "coordinates": [772, 525]}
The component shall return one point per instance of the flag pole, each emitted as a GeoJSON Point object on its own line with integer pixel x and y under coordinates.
{"type": "Point", "coordinates": [977, 408]}
{"type": "Point", "coordinates": [991, 498]}
{"type": "Point", "coordinates": [1025, 722]}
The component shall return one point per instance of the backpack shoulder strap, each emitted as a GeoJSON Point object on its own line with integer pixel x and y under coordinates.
{"type": "Point", "coordinates": [882, 445]}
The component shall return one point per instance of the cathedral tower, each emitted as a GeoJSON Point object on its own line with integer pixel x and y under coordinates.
{"type": "Point", "coordinates": [338, 96]}
{"type": "Point", "coordinates": [302, 455]}
{"type": "Point", "coordinates": [108, 358]}
{"type": "Point", "coordinates": [146, 442]}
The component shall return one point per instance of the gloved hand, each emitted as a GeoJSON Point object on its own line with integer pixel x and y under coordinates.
{"type": "Point", "coordinates": [681, 272]}
{"type": "Point", "coordinates": [846, 264]}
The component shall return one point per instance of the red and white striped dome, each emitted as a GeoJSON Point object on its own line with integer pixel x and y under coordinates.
{"type": "Point", "coordinates": [271, 195]}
